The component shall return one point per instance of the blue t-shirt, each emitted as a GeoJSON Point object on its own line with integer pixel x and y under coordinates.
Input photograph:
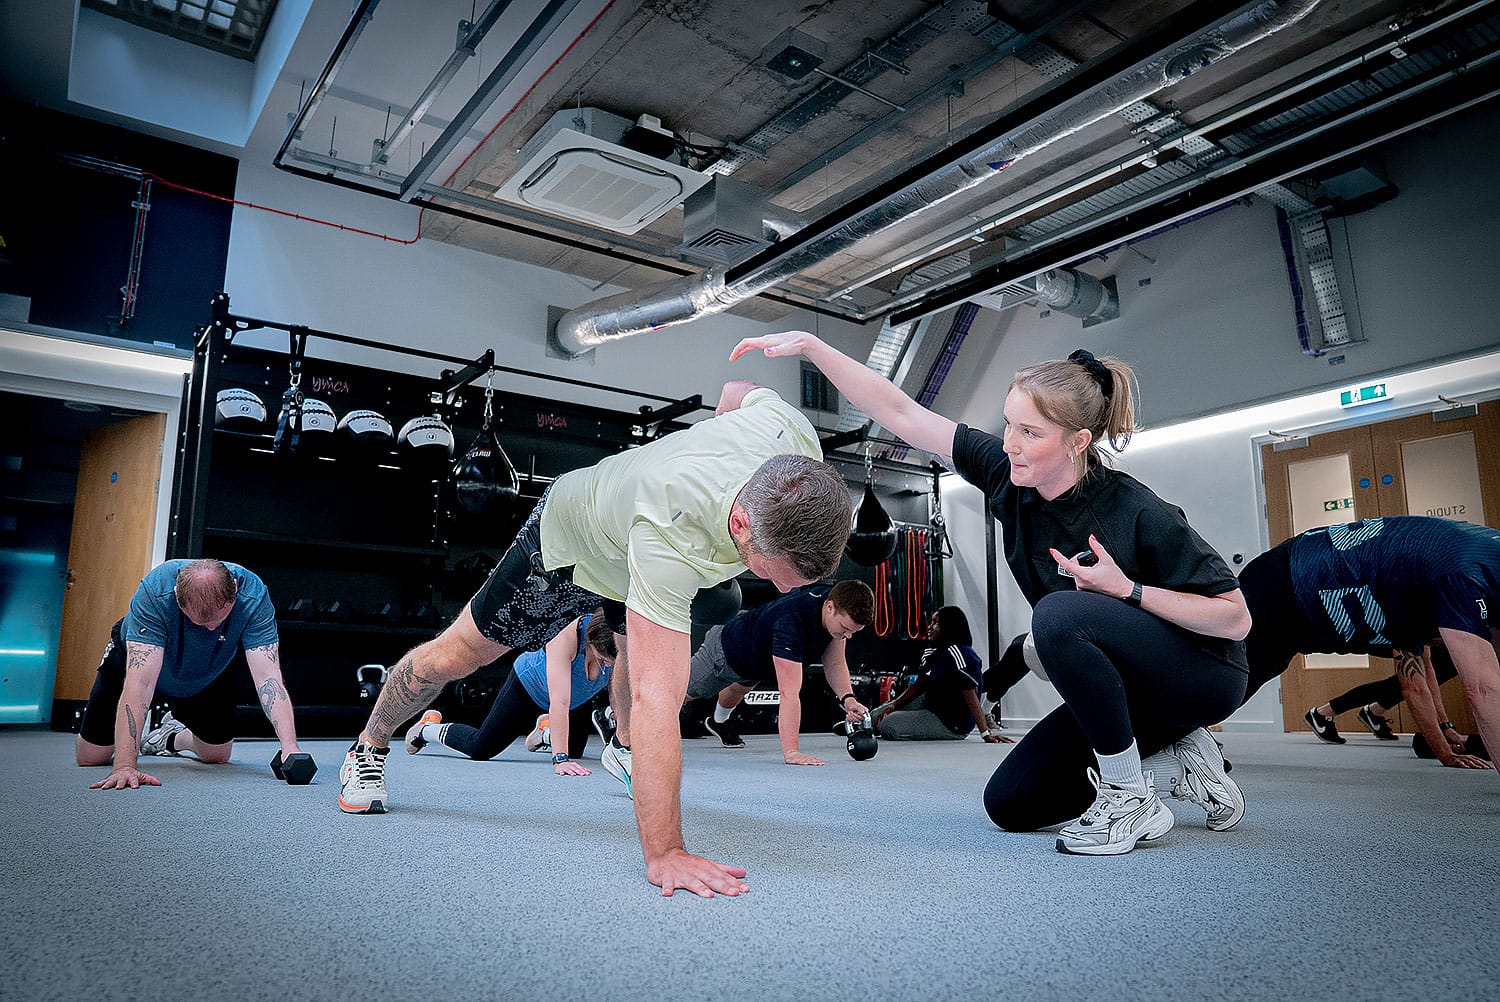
{"type": "Point", "coordinates": [1384, 582]}
{"type": "Point", "coordinates": [531, 669]}
{"type": "Point", "coordinates": [949, 671]}
{"type": "Point", "coordinates": [192, 656]}
{"type": "Point", "coordinates": [789, 627]}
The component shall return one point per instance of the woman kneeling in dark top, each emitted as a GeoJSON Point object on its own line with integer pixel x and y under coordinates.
{"type": "Point", "coordinates": [1137, 620]}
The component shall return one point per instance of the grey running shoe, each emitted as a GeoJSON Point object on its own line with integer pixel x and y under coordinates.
{"type": "Point", "coordinates": [155, 741]}
{"type": "Point", "coordinates": [617, 760]}
{"type": "Point", "coordinates": [540, 738]}
{"type": "Point", "coordinates": [1118, 820]}
{"type": "Point", "coordinates": [1205, 781]}
{"type": "Point", "coordinates": [414, 740]}
{"type": "Point", "coordinates": [362, 780]}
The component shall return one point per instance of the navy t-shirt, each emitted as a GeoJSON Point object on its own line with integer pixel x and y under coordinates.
{"type": "Point", "coordinates": [1384, 582]}
{"type": "Point", "coordinates": [950, 671]}
{"type": "Point", "coordinates": [192, 656]}
{"type": "Point", "coordinates": [790, 627]}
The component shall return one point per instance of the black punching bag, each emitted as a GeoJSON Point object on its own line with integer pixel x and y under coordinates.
{"type": "Point", "coordinates": [485, 482]}
{"type": "Point", "coordinates": [873, 540]}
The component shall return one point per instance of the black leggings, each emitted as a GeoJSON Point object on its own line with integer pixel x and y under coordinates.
{"type": "Point", "coordinates": [1124, 675]}
{"type": "Point", "coordinates": [1279, 629]}
{"type": "Point", "coordinates": [1387, 691]}
{"type": "Point", "coordinates": [513, 715]}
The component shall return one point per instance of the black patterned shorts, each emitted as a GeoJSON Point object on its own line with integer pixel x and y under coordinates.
{"type": "Point", "coordinates": [523, 605]}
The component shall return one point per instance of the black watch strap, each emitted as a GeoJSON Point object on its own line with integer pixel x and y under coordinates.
{"type": "Point", "coordinates": [560, 757]}
{"type": "Point", "coordinates": [1134, 598]}
{"type": "Point", "coordinates": [844, 697]}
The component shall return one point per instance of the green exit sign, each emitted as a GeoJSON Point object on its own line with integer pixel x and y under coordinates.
{"type": "Point", "coordinates": [1362, 395]}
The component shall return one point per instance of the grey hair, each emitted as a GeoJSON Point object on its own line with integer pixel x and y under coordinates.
{"type": "Point", "coordinates": [799, 509]}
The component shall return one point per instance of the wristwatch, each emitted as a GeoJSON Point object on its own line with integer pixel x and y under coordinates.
{"type": "Point", "coordinates": [846, 696]}
{"type": "Point", "coordinates": [560, 758]}
{"type": "Point", "coordinates": [1134, 598]}
{"type": "Point", "coordinates": [1447, 725]}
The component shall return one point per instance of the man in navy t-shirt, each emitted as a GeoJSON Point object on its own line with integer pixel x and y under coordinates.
{"type": "Point", "coordinates": [187, 624]}
{"type": "Point", "coordinates": [1389, 587]}
{"type": "Point", "coordinates": [771, 644]}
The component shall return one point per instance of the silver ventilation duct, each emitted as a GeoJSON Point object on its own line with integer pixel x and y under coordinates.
{"type": "Point", "coordinates": [681, 300]}
{"type": "Point", "coordinates": [1078, 295]}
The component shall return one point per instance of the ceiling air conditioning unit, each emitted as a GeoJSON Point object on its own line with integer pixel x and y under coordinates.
{"type": "Point", "coordinates": [577, 166]}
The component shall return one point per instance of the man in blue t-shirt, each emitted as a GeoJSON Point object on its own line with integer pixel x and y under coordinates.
{"type": "Point", "coordinates": [1389, 587]}
{"type": "Point", "coordinates": [188, 622]}
{"type": "Point", "coordinates": [771, 644]}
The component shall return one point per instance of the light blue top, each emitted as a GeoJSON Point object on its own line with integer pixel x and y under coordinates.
{"type": "Point", "coordinates": [531, 669]}
{"type": "Point", "coordinates": [192, 657]}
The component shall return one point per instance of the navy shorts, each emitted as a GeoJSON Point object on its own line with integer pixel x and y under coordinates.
{"type": "Point", "coordinates": [209, 713]}
{"type": "Point", "coordinates": [522, 605]}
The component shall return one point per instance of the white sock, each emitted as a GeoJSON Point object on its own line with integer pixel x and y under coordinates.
{"type": "Point", "coordinates": [721, 712]}
{"type": "Point", "coordinates": [1164, 768]}
{"type": "Point", "coordinates": [434, 732]}
{"type": "Point", "coordinates": [1123, 769]}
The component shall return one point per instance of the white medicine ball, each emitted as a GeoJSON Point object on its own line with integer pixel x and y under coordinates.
{"type": "Point", "coordinates": [317, 416]}
{"type": "Point", "coordinates": [428, 436]}
{"type": "Point", "coordinates": [239, 410]}
{"type": "Point", "coordinates": [366, 427]}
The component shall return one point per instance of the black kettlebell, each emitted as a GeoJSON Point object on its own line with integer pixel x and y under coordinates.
{"type": "Point", "coordinates": [862, 743]}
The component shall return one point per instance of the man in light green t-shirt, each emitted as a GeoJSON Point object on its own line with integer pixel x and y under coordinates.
{"type": "Point", "coordinates": [639, 533]}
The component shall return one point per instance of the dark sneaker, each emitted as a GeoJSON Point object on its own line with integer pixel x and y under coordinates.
{"type": "Point", "coordinates": [604, 723]}
{"type": "Point", "coordinates": [724, 732]}
{"type": "Point", "coordinates": [1323, 727]}
{"type": "Point", "coordinates": [1378, 725]}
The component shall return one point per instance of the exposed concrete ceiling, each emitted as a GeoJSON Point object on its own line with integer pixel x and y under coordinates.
{"type": "Point", "coordinates": [955, 66]}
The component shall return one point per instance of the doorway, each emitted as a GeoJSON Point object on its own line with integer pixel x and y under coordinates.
{"type": "Point", "coordinates": [1443, 464]}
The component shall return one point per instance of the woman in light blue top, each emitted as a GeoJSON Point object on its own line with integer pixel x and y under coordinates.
{"type": "Point", "coordinates": [561, 680]}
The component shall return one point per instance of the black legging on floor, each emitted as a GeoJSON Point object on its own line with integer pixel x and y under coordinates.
{"type": "Point", "coordinates": [513, 715]}
{"type": "Point", "coordinates": [1387, 691]}
{"type": "Point", "coordinates": [1123, 674]}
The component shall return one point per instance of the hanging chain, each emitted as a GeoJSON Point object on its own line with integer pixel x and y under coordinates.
{"type": "Point", "coordinates": [489, 399]}
{"type": "Point", "coordinates": [869, 465]}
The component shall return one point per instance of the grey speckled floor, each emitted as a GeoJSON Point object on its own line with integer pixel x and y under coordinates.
{"type": "Point", "coordinates": [1359, 872]}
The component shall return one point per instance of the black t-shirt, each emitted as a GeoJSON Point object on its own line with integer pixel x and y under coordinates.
{"type": "Point", "coordinates": [1383, 582]}
{"type": "Point", "coordinates": [950, 671]}
{"type": "Point", "coordinates": [1148, 538]}
{"type": "Point", "coordinates": [790, 627]}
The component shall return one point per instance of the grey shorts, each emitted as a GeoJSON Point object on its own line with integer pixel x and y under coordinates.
{"type": "Point", "coordinates": [710, 672]}
{"type": "Point", "coordinates": [523, 605]}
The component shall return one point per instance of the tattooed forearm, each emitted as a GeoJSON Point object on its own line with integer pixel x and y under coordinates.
{"type": "Point", "coordinates": [135, 740]}
{"type": "Point", "coordinates": [270, 691]}
{"type": "Point", "coordinates": [1408, 665]}
{"type": "Point", "coordinates": [271, 652]}
{"type": "Point", "coordinates": [406, 691]}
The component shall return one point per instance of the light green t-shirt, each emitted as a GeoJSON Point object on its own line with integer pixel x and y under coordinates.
{"type": "Point", "coordinates": [650, 526]}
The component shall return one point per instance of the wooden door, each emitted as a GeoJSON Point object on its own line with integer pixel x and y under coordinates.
{"type": "Point", "coordinates": [1446, 469]}
{"type": "Point", "coordinates": [1329, 481]}
{"type": "Point", "coordinates": [114, 515]}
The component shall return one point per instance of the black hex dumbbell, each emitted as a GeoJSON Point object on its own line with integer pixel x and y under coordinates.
{"type": "Point", "coordinates": [296, 770]}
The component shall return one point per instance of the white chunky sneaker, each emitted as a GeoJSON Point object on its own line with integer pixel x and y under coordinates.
{"type": "Point", "coordinates": [1205, 782]}
{"type": "Point", "coordinates": [155, 741]}
{"type": "Point", "coordinates": [362, 780]}
{"type": "Point", "coordinates": [616, 759]}
{"type": "Point", "coordinates": [1117, 821]}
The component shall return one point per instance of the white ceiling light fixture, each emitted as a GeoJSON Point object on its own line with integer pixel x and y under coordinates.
{"type": "Point", "coordinates": [574, 167]}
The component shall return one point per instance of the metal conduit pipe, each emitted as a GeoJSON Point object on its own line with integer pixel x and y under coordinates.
{"type": "Point", "coordinates": [1076, 294]}
{"type": "Point", "coordinates": [679, 301]}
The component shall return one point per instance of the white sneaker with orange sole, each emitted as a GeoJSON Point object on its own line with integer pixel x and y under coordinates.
{"type": "Point", "coordinates": [414, 740]}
